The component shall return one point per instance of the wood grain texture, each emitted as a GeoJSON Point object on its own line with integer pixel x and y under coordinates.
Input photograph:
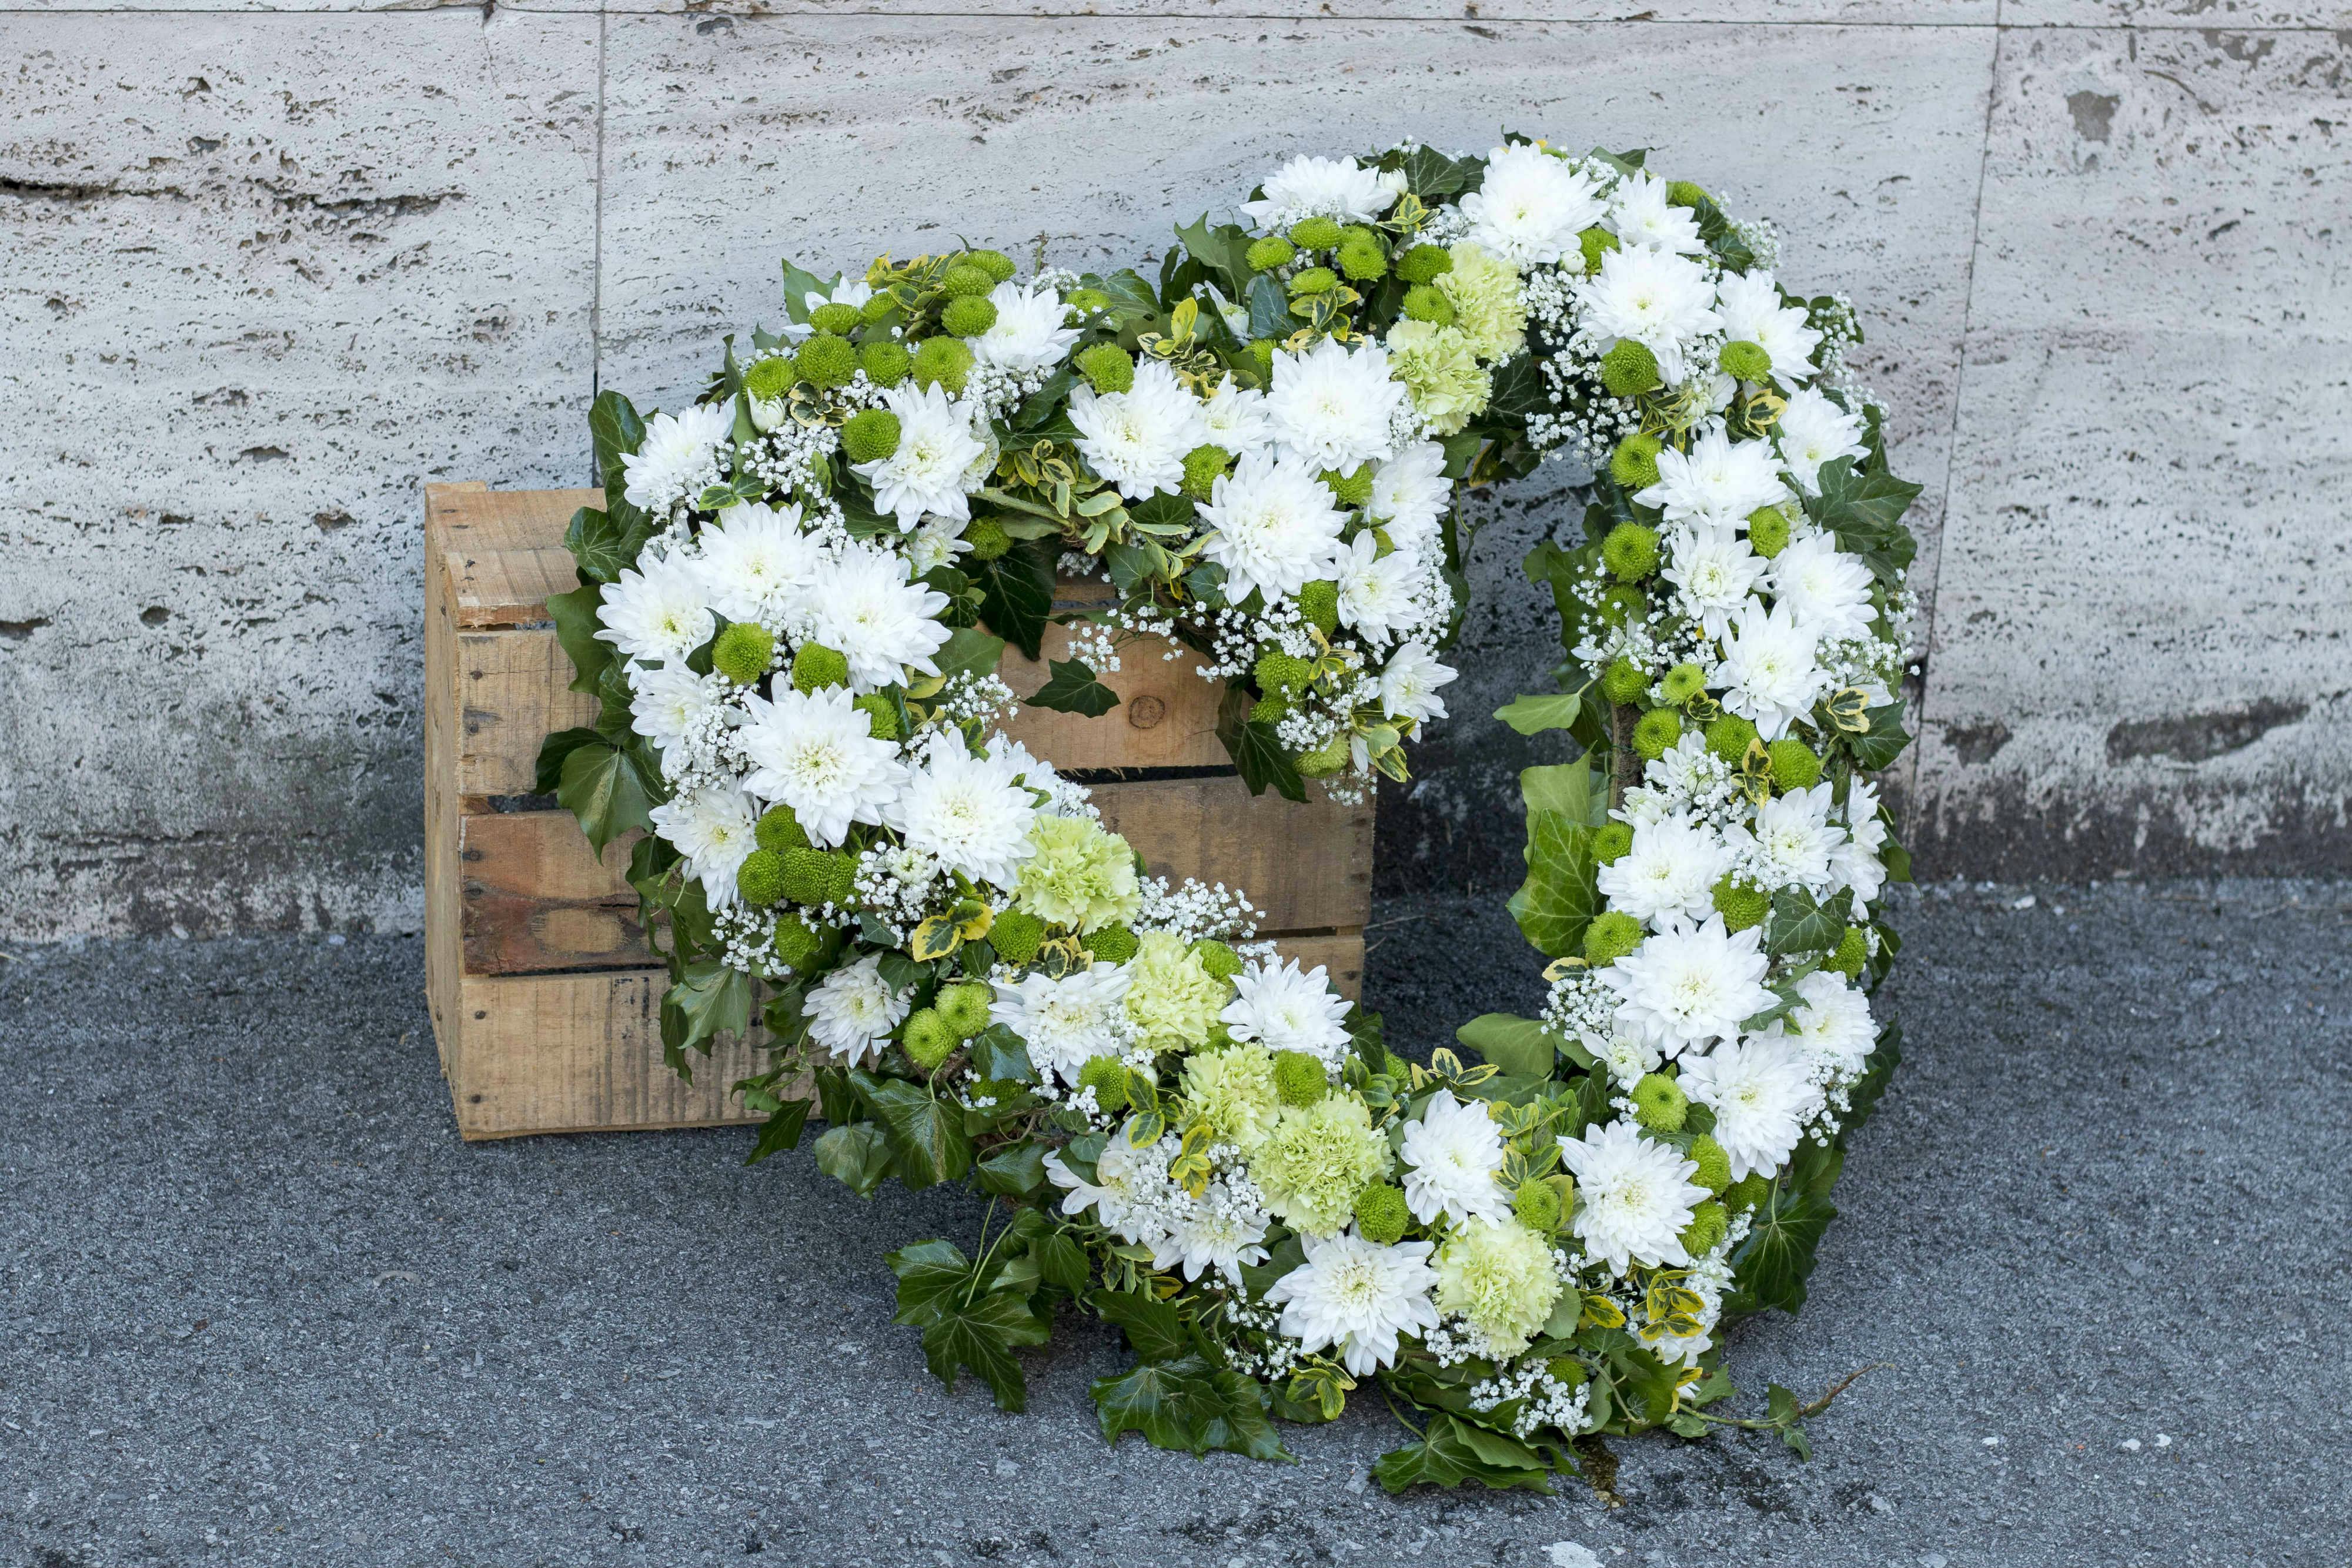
{"type": "Point", "coordinates": [442, 956]}
{"type": "Point", "coordinates": [505, 549]}
{"type": "Point", "coordinates": [536, 898]}
{"type": "Point", "coordinates": [1166, 716]}
{"type": "Point", "coordinates": [571, 1053]}
{"type": "Point", "coordinates": [513, 689]}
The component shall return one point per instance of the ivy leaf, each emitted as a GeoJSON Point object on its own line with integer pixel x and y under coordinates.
{"type": "Point", "coordinates": [936, 936]}
{"type": "Point", "coordinates": [781, 1129]}
{"type": "Point", "coordinates": [1016, 593]}
{"type": "Point", "coordinates": [1452, 1451]}
{"type": "Point", "coordinates": [1871, 1087]}
{"type": "Point", "coordinates": [1875, 748]}
{"type": "Point", "coordinates": [1864, 508]}
{"type": "Point", "coordinates": [1533, 715]}
{"type": "Point", "coordinates": [1770, 1267]}
{"type": "Point", "coordinates": [602, 542]}
{"type": "Point", "coordinates": [969, 651]}
{"type": "Point", "coordinates": [1256, 750]}
{"type": "Point", "coordinates": [997, 1052]}
{"type": "Point", "coordinates": [980, 1336]}
{"type": "Point", "coordinates": [1800, 924]}
{"type": "Point", "coordinates": [1222, 250]}
{"type": "Point", "coordinates": [600, 786]}
{"type": "Point", "coordinates": [1190, 1407]}
{"type": "Point", "coordinates": [616, 432]}
{"type": "Point", "coordinates": [1154, 1327]}
{"type": "Point", "coordinates": [1061, 1262]}
{"type": "Point", "coordinates": [575, 615]}
{"type": "Point", "coordinates": [1558, 898]}
{"type": "Point", "coordinates": [552, 753]}
{"type": "Point", "coordinates": [1017, 1170]}
{"type": "Point", "coordinates": [1567, 789]}
{"type": "Point", "coordinates": [1521, 1047]}
{"type": "Point", "coordinates": [712, 999]}
{"type": "Point", "coordinates": [932, 1275]}
{"type": "Point", "coordinates": [855, 1156]}
{"type": "Point", "coordinates": [1520, 389]}
{"type": "Point", "coordinates": [927, 1139]}
{"type": "Point", "coordinates": [1269, 310]}
{"type": "Point", "coordinates": [1431, 174]}
{"type": "Point", "coordinates": [1075, 688]}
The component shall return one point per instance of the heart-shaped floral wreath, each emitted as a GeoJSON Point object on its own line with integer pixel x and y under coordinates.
{"type": "Point", "coordinates": [793, 606]}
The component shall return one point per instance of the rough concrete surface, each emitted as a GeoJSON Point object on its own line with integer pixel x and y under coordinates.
{"type": "Point", "coordinates": [269, 267]}
{"type": "Point", "coordinates": [262, 1307]}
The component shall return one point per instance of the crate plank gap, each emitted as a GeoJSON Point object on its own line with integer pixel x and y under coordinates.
{"type": "Point", "coordinates": [545, 1000]}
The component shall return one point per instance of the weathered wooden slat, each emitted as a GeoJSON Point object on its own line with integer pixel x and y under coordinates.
{"type": "Point", "coordinates": [536, 897]}
{"type": "Point", "coordinates": [513, 689]}
{"type": "Point", "coordinates": [505, 549]}
{"type": "Point", "coordinates": [1166, 716]}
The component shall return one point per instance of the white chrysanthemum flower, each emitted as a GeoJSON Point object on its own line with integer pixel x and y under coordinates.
{"type": "Point", "coordinates": [1713, 570]}
{"type": "Point", "coordinates": [1791, 835]}
{"type": "Point", "coordinates": [1642, 218]}
{"type": "Point", "coordinates": [1124, 1195]}
{"type": "Point", "coordinates": [1629, 1057]}
{"type": "Point", "coordinates": [1271, 525]}
{"type": "Point", "coordinates": [1322, 188]}
{"type": "Point", "coordinates": [1359, 1297]}
{"type": "Point", "coordinates": [1719, 480]}
{"type": "Point", "coordinates": [757, 562]}
{"type": "Point", "coordinates": [656, 610]}
{"type": "Point", "coordinates": [1066, 1022]}
{"type": "Point", "coordinates": [937, 446]}
{"type": "Point", "coordinates": [672, 707]}
{"type": "Point", "coordinates": [1236, 418]}
{"type": "Point", "coordinates": [1376, 591]}
{"type": "Point", "coordinates": [1219, 1231]}
{"type": "Point", "coordinates": [1812, 431]}
{"type": "Point", "coordinates": [1138, 439]}
{"type": "Point", "coordinates": [1283, 1008]}
{"type": "Point", "coordinates": [713, 829]}
{"type": "Point", "coordinates": [1029, 333]}
{"type": "Point", "coordinates": [1832, 1024]}
{"type": "Point", "coordinates": [677, 456]}
{"type": "Point", "coordinates": [1749, 304]}
{"type": "Point", "coordinates": [936, 543]}
{"type": "Point", "coordinates": [851, 291]}
{"type": "Point", "coordinates": [1660, 300]}
{"type": "Point", "coordinates": [863, 604]}
{"type": "Point", "coordinates": [1689, 985]}
{"type": "Point", "coordinates": [1409, 684]}
{"type": "Point", "coordinates": [1855, 863]}
{"type": "Point", "coordinates": [816, 753]}
{"type": "Point", "coordinates": [1530, 206]}
{"type": "Point", "coordinates": [1633, 1196]}
{"type": "Point", "coordinates": [1451, 1156]}
{"type": "Point", "coordinates": [1335, 407]}
{"type": "Point", "coordinates": [1761, 1094]}
{"type": "Point", "coordinates": [969, 812]}
{"type": "Point", "coordinates": [1827, 590]}
{"type": "Point", "coordinates": [1668, 874]}
{"type": "Point", "coordinates": [1769, 672]}
{"type": "Point", "coordinates": [1410, 494]}
{"type": "Point", "coordinates": [853, 1010]}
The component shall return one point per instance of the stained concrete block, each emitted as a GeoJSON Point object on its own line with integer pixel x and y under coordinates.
{"type": "Point", "coordinates": [2143, 652]}
{"type": "Point", "coordinates": [2202, 16]}
{"type": "Point", "coordinates": [263, 274]}
{"type": "Point", "coordinates": [731, 142]}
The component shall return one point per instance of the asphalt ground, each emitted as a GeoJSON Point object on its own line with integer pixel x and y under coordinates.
{"type": "Point", "coordinates": [261, 1306]}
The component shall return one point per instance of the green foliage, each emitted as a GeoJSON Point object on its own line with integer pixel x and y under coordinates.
{"type": "Point", "coordinates": [1074, 687]}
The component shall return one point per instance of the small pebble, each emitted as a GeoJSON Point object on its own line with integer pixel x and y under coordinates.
{"type": "Point", "coordinates": [2131, 1445]}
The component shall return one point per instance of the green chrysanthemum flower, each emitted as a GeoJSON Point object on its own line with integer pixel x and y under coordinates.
{"type": "Point", "coordinates": [1748, 1192]}
{"type": "Point", "coordinates": [1080, 875]}
{"type": "Point", "coordinates": [1425, 264]}
{"type": "Point", "coordinates": [1441, 374]}
{"type": "Point", "coordinates": [1501, 1278]}
{"type": "Point", "coordinates": [1489, 309]}
{"type": "Point", "coordinates": [995, 263]}
{"type": "Point", "coordinates": [1595, 242]}
{"type": "Point", "coordinates": [1171, 998]}
{"type": "Point", "coordinates": [1612, 842]}
{"type": "Point", "coordinates": [1318, 601]}
{"type": "Point", "coordinates": [964, 1006]}
{"type": "Point", "coordinates": [795, 943]}
{"type": "Point", "coordinates": [828, 359]}
{"type": "Point", "coordinates": [1611, 935]}
{"type": "Point", "coordinates": [1624, 683]}
{"type": "Point", "coordinates": [1683, 683]}
{"type": "Point", "coordinates": [816, 667]}
{"type": "Point", "coordinates": [943, 362]}
{"type": "Point", "coordinates": [1714, 1164]}
{"type": "Point", "coordinates": [1708, 1224]}
{"type": "Point", "coordinates": [771, 378]}
{"type": "Point", "coordinates": [1107, 368]}
{"type": "Point", "coordinates": [779, 828]}
{"type": "Point", "coordinates": [881, 719]}
{"type": "Point", "coordinates": [1683, 193]}
{"type": "Point", "coordinates": [1273, 251]}
{"type": "Point", "coordinates": [1313, 280]}
{"type": "Point", "coordinates": [869, 436]}
{"type": "Point", "coordinates": [840, 320]}
{"type": "Point", "coordinates": [1353, 489]}
{"type": "Point", "coordinates": [1740, 904]}
{"type": "Point", "coordinates": [1233, 1089]}
{"type": "Point", "coordinates": [1203, 467]}
{"type": "Point", "coordinates": [878, 308]}
{"type": "Point", "coordinates": [966, 281]}
{"type": "Point", "coordinates": [1279, 671]}
{"type": "Point", "coordinates": [886, 363]}
{"type": "Point", "coordinates": [928, 1040]}
{"type": "Point", "coordinates": [1655, 733]}
{"type": "Point", "coordinates": [1326, 758]}
{"type": "Point", "coordinates": [1635, 463]}
{"type": "Point", "coordinates": [1851, 953]}
{"type": "Point", "coordinates": [968, 317]}
{"type": "Point", "coordinates": [1425, 302]}
{"type": "Point", "coordinates": [1298, 1078]}
{"type": "Point", "coordinates": [1106, 1076]}
{"type": "Point", "coordinates": [1316, 1161]}
{"type": "Point", "coordinates": [1660, 1105]}
{"type": "Point", "coordinates": [1381, 1214]}
{"type": "Point", "coordinates": [1794, 764]}
{"type": "Point", "coordinates": [1629, 370]}
{"type": "Point", "coordinates": [1630, 551]}
{"type": "Point", "coordinates": [1767, 531]}
{"type": "Point", "coordinates": [743, 651]}
{"type": "Point", "coordinates": [1745, 362]}
{"type": "Point", "coordinates": [1362, 260]}
{"type": "Point", "coordinates": [1728, 735]}
{"type": "Point", "coordinates": [819, 876]}
{"type": "Point", "coordinates": [1315, 233]}
{"type": "Point", "coordinates": [761, 878]}
{"type": "Point", "coordinates": [1110, 945]}
{"type": "Point", "coordinates": [1016, 935]}
{"type": "Point", "coordinates": [1538, 1205]}
{"type": "Point", "coordinates": [1217, 958]}
{"type": "Point", "coordinates": [987, 539]}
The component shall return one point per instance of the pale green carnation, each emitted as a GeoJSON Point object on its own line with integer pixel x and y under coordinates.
{"type": "Point", "coordinates": [1172, 998]}
{"type": "Point", "coordinates": [1080, 876]}
{"type": "Point", "coordinates": [1316, 1160]}
{"type": "Point", "coordinates": [1438, 368]}
{"type": "Point", "coordinates": [1484, 293]}
{"type": "Point", "coordinates": [1500, 1277]}
{"type": "Point", "coordinates": [1233, 1090]}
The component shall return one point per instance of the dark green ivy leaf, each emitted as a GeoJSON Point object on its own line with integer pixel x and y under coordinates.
{"type": "Point", "coordinates": [1558, 898]}
{"type": "Point", "coordinates": [855, 1156]}
{"type": "Point", "coordinates": [1190, 1407]}
{"type": "Point", "coordinates": [1016, 593]}
{"type": "Point", "coordinates": [599, 784]}
{"type": "Point", "coordinates": [1800, 924]}
{"type": "Point", "coordinates": [712, 999]}
{"type": "Point", "coordinates": [1520, 1047]}
{"type": "Point", "coordinates": [927, 1139]}
{"type": "Point", "coordinates": [979, 1334]}
{"type": "Point", "coordinates": [552, 753]}
{"type": "Point", "coordinates": [1154, 1327]}
{"type": "Point", "coordinates": [781, 1129]}
{"type": "Point", "coordinates": [1454, 1451]}
{"type": "Point", "coordinates": [1865, 509]}
{"type": "Point", "coordinates": [1075, 688]}
{"type": "Point", "coordinates": [617, 431]}
{"type": "Point", "coordinates": [1770, 1267]}
{"type": "Point", "coordinates": [1256, 750]}
{"type": "Point", "coordinates": [575, 615]}
{"type": "Point", "coordinates": [1876, 749]}
{"type": "Point", "coordinates": [602, 542]}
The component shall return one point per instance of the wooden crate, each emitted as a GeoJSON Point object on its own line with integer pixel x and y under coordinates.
{"type": "Point", "coordinates": [545, 1000]}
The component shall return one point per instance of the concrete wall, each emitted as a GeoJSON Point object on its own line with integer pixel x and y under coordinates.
{"type": "Point", "coordinates": [261, 271]}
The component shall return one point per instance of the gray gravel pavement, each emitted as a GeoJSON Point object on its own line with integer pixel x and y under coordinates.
{"type": "Point", "coordinates": [260, 1306]}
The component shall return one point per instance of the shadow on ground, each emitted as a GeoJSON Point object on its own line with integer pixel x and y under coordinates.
{"type": "Point", "coordinates": [262, 1307]}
